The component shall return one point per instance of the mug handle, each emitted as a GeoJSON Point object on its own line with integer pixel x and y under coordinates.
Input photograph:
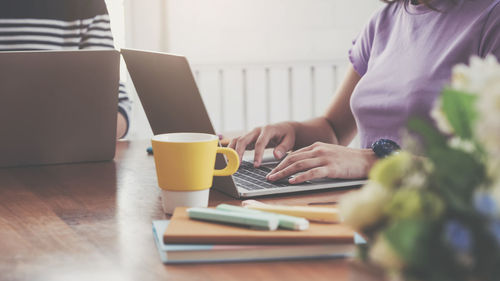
{"type": "Point", "coordinates": [233, 162]}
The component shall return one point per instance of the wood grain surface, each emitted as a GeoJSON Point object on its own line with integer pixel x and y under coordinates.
{"type": "Point", "coordinates": [93, 222]}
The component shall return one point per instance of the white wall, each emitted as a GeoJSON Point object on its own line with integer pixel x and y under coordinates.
{"type": "Point", "coordinates": [218, 31]}
{"type": "Point", "coordinates": [224, 32]}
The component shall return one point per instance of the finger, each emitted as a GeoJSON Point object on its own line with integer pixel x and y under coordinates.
{"type": "Point", "coordinates": [302, 165]}
{"type": "Point", "coordinates": [307, 148]}
{"type": "Point", "coordinates": [243, 142]}
{"type": "Point", "coordinates": [315, 173]}
{"type": "Point", "coordinates": [232, 143]}
{"type": "Point", "coordinates": [285, 145]}
{"type": "Point", "coordinates": [290, 159]}
{"type": "Point", "coordinates": [260, 146]}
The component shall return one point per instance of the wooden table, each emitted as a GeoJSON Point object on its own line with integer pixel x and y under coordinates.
{"type": "Point", "coordinates": [93, 222]}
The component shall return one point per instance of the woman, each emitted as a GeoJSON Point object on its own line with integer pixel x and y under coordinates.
{"type": "Point", "coordinates": [399, 64]}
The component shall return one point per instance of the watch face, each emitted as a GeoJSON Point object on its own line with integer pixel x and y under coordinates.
{"type": "Point", "coordinates": [384, 147]}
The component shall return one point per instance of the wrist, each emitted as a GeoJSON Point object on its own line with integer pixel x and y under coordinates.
{"type": "Point", "coordinates": [370, 158]}
{"type": "Point", "coordinates": [385, 147]}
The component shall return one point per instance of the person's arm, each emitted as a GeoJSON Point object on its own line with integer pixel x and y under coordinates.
{"type": "Point", "coordinates": [328, 156]}
{"type": "Point", "coordinates": [336, 126]}
{"type": "Point", "coordinates": [121, 126]}
{"type": "Point", "coordinates": [97, 35]}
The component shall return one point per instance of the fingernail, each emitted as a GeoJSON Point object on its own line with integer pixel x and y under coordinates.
{"type": "Point", "coordinates": [292, 180]}
{"type": "Point", "coordinates": [256, 163]}
{"type": "Point", "coordinates": [279, 154]}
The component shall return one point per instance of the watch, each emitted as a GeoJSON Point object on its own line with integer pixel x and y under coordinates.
{"type": "Point", "coordinates": [385, 147]}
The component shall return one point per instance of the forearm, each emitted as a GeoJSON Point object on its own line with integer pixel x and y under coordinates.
{"type": "Point", "coordinates": [314, 130]}
{"type": "Point", "coordinates": [337, 126]}
{"type": "Point", "coordinates": [121, 126]}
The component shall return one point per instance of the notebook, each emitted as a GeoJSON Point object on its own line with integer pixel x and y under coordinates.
{"type": "Point", "coordinates": [187, 231]}
{"type": "Point", "coordinates": [207, 253]}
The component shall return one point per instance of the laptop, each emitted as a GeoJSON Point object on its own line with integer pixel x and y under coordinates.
{"type": "Point", "coordinates": [58, 106]}
{"type": "Point", "coordinates": [172, 103]}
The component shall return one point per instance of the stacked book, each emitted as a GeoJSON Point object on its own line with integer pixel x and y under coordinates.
{"type": "Point", "coordinates": [184, 240]}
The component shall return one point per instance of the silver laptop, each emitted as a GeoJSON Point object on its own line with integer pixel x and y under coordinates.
{"type": "Point", "coordinates": [168, 92]}
{"type": "Point", "coordinates": [58, 106]}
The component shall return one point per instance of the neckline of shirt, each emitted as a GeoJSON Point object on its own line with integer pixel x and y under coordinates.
{"type": "Point", "coordinates": [438, 5]}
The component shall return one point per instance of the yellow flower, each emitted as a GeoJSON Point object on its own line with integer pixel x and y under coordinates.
{"type": "Point", "coordinates": [384, 255]}
{"type": "Point", "coordinates": [415, 203]}
{"type": "Point", "coordinates": [389, 171]}
{"type": "Point", "coordinates": [363, 208]}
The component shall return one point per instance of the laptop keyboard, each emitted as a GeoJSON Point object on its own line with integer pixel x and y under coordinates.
{"type": "Point", "coordinates": [250, 178]}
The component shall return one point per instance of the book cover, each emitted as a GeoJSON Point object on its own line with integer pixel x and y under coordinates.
{"type": "Point", "coordinates": [183, 230]}
{"type": "Point", "coordinates": [204, 253]}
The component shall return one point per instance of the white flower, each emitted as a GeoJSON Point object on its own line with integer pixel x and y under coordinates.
{"type": "Point", "coordinates": [384, 255]}
{"type": "Point", "coordinates": [461, 144]}
{"type": "Point", "coordinates": [415, 179]}
{"type": "Point", "coordinates": [495, 193]}
{"type": "Point", "coordinates": [474, 78]}
{"type": "Point", "coordinates": [488, 125]}
{"type": "Point", "coordinates": [364, 207]}
{"type": "Point", "coordinates": [440, 118]}
{"type": "Point", "coordinates": [481, 77]}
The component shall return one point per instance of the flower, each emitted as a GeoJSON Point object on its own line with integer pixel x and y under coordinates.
{"type": "Point", "coordinates": [384, 255]}
{"type": "Point", "coordinates": [415, 179]}
{"type": "Point", "coordinates": [461, 144]}
{"type": "Point", "coordinates": [481, 77]}
{"type": "Point", "coordinates": [460, 240]}
{"type": "Point", "coordinates": [440, 118]}
{"type": "Point", "coordinates": [458, 236]}
{"type": "Point", "coordinates": [389, 171]}
{"type": "Point", "coordinates": [439, 216]}
{"type": "Point", "coordinates": [485, 203]}
{"type": "Point", "coordinates": [477, 76]}
{"type": "Point", "coordinates": [414, 203]}
{"type": "Point", "coordinates": [363, 208]}
{"type": "Point", "coordinates": [488, 125]}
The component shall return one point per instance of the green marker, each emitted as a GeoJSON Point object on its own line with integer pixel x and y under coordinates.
{"type": "Point", "coordinates": [268, 222]}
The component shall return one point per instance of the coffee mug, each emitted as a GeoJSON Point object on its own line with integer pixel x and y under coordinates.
{"type": "Point", "coordinates": [185, 166]}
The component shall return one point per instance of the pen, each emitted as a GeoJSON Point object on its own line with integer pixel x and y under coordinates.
{"type": "Point", "coordinates": [268, 222]}
{"type": "Point", "coordinates": [287, 222]}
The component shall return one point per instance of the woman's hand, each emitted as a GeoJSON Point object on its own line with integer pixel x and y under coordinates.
{"type": "Point", "coordinates": [281, 136]}
{"type": "Point", "coordinates": [322, 160]}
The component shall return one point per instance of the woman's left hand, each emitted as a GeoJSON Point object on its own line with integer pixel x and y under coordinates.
{"type": "Point", "coordinates": [322, 160]}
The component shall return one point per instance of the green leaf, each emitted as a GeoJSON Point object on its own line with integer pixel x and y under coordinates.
{"type": "Point", "coordinates": [431, 136]}
{"type": "Point", "coordinates": [459, 108]}
{"type": "Point", "coordinates": [411, 239]}
{"type": "Point", "coordinates": [456, 172]}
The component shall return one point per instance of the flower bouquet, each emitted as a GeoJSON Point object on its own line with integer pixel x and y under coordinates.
{"type": "Point", "coordinates": [437, 216]}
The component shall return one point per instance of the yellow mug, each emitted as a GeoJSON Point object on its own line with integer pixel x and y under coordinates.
{"type": "Point", "coordinates": [186, 161]}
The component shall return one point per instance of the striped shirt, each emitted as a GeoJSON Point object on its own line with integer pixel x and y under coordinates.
{"type": "Point", "coordinates": [58, 25]}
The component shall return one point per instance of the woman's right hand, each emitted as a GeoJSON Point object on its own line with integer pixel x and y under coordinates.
{"type": "Point", "coordinates": [281, 136]}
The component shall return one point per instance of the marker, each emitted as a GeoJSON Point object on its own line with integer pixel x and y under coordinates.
{"type": "Point", "coordinates": [286, 222]}
{"type": "Point", "coordinates": [267, 222]}
{"type": "Point", "coordinates": [317, 214]}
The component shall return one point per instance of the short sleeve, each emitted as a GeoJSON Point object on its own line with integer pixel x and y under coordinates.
{"type": "Point", "coordinates": [490, 41]}
{"type": "Point", "coordinates": [359, 54]}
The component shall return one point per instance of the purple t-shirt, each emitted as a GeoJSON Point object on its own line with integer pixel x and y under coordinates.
{"type": "Point", "coordinates": [405, 55]}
